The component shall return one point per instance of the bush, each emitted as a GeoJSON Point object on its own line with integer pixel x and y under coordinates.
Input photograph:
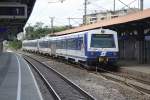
{"type": "Point", "coordinates": [15, 44]}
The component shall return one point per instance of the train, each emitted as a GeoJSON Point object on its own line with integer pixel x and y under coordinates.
{"type": "Point", "coordinates": [97, 46]}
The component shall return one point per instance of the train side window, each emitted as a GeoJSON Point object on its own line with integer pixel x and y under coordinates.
{"type": "Point", "coordinates": [45, 44]}
{"type": "Point", "coordinates": [72, 44]}
{"type": "Point", "coordinates": [57, 44]}
{"type": "Point", "coordinates": [80, 43]}
{"type": "Point", "coordinates": [63, 44]}
{"type": "Point", "coordinates": [49, 44]}
{"type": "Point", "coordinates": [69, 44]}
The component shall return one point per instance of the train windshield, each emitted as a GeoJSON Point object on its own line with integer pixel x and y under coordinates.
{"type": "Point", "coordinates": [102, 41]}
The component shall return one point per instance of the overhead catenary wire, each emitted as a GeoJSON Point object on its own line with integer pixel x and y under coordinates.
{"type": "Point", "coordinates": [129, 3]}
{"type": "Point", "coordinates": [126, 5]}
{"type": "Point", "coordinates": [76, 21]}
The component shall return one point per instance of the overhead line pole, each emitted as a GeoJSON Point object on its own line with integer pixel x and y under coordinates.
{"type": "Point", "coordinates": [141, 4]}
{"type": "Point", "coordinates": [69, 22]}
{"type": "Point", "coordinates": [114, 5]}
{"type": "Point", "coordinates": [72, 18]}
{"type": "Point", "coordinates": [52, 25]}
{"type": "Point", "coordinates": [85, 12]}
{"type": "Point", "coordinates": [126, 5]}
{"type": "Point", "coordinates": [131, 3]}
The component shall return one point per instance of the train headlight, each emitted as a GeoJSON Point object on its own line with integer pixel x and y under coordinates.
{"type": "Point", "coordinates": [115, 53]}
{"type": "Point", "coordinates": [92, 53]}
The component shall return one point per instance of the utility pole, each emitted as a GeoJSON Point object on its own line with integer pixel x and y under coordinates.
{"type": "Point", "coordinates": [52, 24]}
{"type": "Point", "coordinates": [69, 22]}
{"type": "Point", "coordinates": [141, 4]}
{"type": "Point", "coordinates": [114, 5]}
{"type": "Point", "coordinates": [85, 12]}
{"type": "Point", "coordinates": [73, 18]}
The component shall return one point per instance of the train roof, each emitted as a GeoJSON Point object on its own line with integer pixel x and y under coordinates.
{"type": "Point", "coordinates": [30, 40]}
{"type": "Point", "coordinates": [105, 31]}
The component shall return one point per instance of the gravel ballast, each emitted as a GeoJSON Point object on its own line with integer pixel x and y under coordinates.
{"type": "Point", "coordinates": [94, 83]}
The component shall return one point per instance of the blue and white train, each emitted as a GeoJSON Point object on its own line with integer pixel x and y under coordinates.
{"type": "Point", "coordinates": [91, 47]}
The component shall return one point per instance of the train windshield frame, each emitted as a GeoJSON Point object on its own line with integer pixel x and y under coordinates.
{"type": "Point", "coordinates": [102, 41]}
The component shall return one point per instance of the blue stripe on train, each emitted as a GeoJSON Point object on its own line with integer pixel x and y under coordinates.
{"type": "Point", "coordinates": [85, 43]}
{"type": "Point", "coordinates": [92, 54]}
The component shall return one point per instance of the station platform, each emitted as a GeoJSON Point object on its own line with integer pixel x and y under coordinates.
{"type": "Point", "coordinates": [16, 79]}
{"type": "Point", "coordinates": [140, 71]}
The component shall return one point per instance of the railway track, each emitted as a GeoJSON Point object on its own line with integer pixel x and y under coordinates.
{"type": "Point", "coordinates": [140, 86]}
{"type": "Point", "coordinates": [59, 86]}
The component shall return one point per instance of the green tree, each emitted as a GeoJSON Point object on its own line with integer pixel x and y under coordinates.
{"type": "Point", "coordinates": [15, 44]}
{"type": "Point", "coordinates": [38, 30]}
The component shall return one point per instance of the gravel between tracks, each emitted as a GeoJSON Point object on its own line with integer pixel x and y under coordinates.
{"type": "Point", "coordinates": [95, 84]}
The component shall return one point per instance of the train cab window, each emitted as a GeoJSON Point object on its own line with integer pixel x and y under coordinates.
{"type": "Point", "coordinates": [102, 41]}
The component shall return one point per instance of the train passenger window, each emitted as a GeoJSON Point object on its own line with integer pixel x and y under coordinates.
{"type": "Point", "coordinates": [59, 44]}
{"type": "Point", "coordinates": [49, 44]}
{"type": "Point", "coordinates": [102, 41]}
{"type": "Point", "coordinates": [63, 44]}
{"type": "Point", "coordinates": [32, 44]}
{"type": "Point", "coordinates": [43, 44]}
{"type": "Point", "coordinates": [69, 43]}
{"type": "Point", "coordinates": [72, 44]}
{"type": "Point", "coordinates": [79, 43]}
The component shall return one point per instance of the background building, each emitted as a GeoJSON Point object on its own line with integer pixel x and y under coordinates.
{"type": "Point", "coordinates": [21, 36]}
{"type": "Point", "coordinates": [95, 17]}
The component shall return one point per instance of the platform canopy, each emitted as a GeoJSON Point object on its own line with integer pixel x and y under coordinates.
{"type": "Point", "coordinates": [129, 22]}
{"type": "Point", "coordinates": [13, 16]}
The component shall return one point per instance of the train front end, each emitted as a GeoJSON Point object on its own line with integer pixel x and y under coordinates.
{"type": "Point", "coordinates": [102, 47]}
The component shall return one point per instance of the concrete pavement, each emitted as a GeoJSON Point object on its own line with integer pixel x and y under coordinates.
{"type": "Point", "coordinates": [16, 79]}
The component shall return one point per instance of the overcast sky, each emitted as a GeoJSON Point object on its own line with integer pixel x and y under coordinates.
{"type": "Point", "coordinates": [72, 8]}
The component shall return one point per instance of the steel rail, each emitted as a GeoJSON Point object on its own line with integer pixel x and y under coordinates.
{"type": "Point", "coordinates": [127, 81]}
{"type": "Point", "coordinates": [50, 88]}
{"type": "Point", "coordinates": [126, 77]}
{"type": "Point", "coordinates": [68, 81]}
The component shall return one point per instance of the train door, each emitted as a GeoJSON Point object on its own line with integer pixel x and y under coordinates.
{"type": "Point", "coordinates": [147, 49]}
{"type": "Point", "coordinates": [85, 43]}
{"type": "Point", "coordinates": [53, 47]}
{"type": "Point", "coordinates": [38, 46]}
{"type": "Point", "coordinates": [49, 47]}
{"type": "Point", "coordinates": [65, 46]}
